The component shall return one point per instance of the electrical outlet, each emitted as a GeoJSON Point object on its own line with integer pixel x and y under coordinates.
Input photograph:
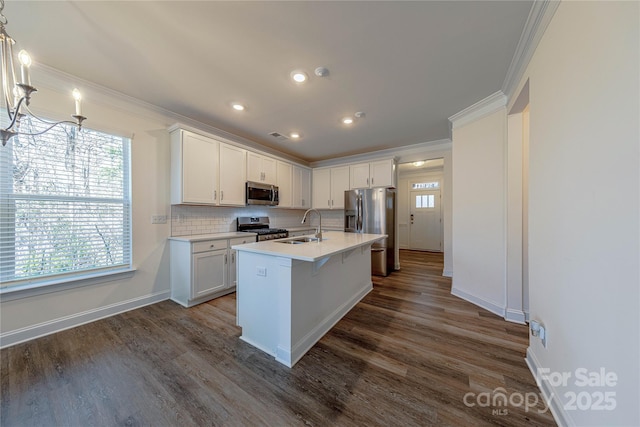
{"type": "Point", "coordinates": [158, 219]}
{"type": "Point", "coordinates": [261, 271]}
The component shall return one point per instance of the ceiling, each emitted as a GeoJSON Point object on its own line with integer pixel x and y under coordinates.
{"type": "Point", "coordinates": [407, 65]}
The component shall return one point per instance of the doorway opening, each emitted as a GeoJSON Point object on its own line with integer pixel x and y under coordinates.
{"type": "Point", "coordinates": [420, 210]}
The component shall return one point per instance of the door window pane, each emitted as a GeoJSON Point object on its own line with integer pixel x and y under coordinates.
{"type": "Point", "coordinates": [426, 201]}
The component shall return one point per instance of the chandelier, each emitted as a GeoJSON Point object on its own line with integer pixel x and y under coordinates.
{"type": "Point", "coordinates": [17, 93]}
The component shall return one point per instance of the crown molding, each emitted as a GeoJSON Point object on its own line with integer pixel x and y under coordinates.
{"type": "Point", "coordinates": [400, 154]}
{"type": "Point", "coordinates": [482, 108]}
{"type": "Point", "coordinates": [61, 82]}
{"type": "Point", "coordinates": [540, 16]}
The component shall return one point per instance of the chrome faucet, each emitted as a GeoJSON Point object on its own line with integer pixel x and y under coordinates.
{"type": "Point", "coordinates": [319, 230]}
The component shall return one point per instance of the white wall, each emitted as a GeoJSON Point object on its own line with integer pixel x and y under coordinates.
{"type": "Point", "coordinates": [25, 318]}
{"type": "Point", "coordinates": [479, 188]}
{"type": "Point", "coordinates": [584, 216]}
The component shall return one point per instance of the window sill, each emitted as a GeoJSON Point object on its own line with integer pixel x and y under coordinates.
{"type": "Point", "coordinates": [57, 285]}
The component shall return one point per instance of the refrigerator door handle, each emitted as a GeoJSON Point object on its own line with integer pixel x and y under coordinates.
{"type": "Point", "coordinates": [359, 213]}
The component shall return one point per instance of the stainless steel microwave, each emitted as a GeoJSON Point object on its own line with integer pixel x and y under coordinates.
{"type": "Point", "coordinates": [262, 194]}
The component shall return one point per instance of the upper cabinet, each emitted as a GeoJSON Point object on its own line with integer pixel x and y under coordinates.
{"type": "Point", "coordinates": [284, 174]}
{"type": "Point", "coordinates": [205, 171]}
{"type": "Point", "coordinates": [329, 185]}
{"type": "Point", "coordinates": [380, 173]}
{"type": "Point", "coordinates": [301, 187]}
{"type": "Point", "coordinates": [261, 168]}
{"type": "Point", "coordinates": [232, 175]}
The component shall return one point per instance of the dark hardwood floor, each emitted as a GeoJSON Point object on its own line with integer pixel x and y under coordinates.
{"type": "Point", "coordinates": [406, 355]}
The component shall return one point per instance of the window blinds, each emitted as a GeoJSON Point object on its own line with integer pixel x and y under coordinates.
{"type": "Point", "coordinates": [65, 205]}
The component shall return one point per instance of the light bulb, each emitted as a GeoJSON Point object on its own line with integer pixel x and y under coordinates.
{"type": "Point", "coordinates": [294, 135]}
{"type": "Point", "coordinates": [347, 120]}
{"type": "Point", "coordinates": [299, 76]}
{"type": "Point", "coordinates": [25, 63]}
{"type": "Point", "coordinates": [418, 163]}
{"type": "Point", "coordinates": [78, 97]}
{"type": "Point", "coordinates": [24, 58]}
{"type": "Point", "coordinates": [238, 107]}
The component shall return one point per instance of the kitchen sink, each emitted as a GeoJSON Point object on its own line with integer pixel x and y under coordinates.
{"type": "Point", "coordinates": [299, 240]}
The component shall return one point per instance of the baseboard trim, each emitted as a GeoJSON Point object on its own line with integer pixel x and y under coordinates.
{"type": "Point", "coordinates": [515, 316]}
{"type": "Point", "coordinates": [487, 305]}
{"type": "Point", "coordinates": [28, 333]}
{"type": "Point", "coordinates": [549, 393]}
{"type": "Point", "coordinates": [447, 273]}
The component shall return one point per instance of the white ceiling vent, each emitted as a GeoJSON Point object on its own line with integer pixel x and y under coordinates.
{"type": "Point", "coordinates": [278, 136]}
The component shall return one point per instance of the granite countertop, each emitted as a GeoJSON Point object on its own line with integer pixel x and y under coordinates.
{"type": "Point", "coordinates": [212, 236]}
{"type": "Point", "coordinates": [334, 242]}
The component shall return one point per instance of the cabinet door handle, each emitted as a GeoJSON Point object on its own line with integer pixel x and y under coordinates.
{"type": "Point", "coordinates": [221, 195]}
{"type": "Point", "coordinates": [233, 258]}
{"type": "Point", "coordinates": [371, 181]}
{"type": "Point", "coordinates": [225, 259]}
{"type": "Point", "coordinates": [367, 181]}
{"type": "Point", "coordinates": [212, 246]}
{"type": "Point", "coordinates": [215, 194]}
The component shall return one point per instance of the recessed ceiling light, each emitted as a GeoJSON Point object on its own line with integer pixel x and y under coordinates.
{"type": "Point", "coordinates": [294, 135]}
{"type": "Point", "coordinates": [299, 76]}
{"type": "Point", "coordinates": [418, 164]}
{"type": "Point", "coordinates": [237, 106]}
{"type": "Point", "coordinates": [347, 120]}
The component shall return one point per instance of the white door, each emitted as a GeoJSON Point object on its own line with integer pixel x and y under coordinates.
{"type": "Point", "coordinates": [424, 220]}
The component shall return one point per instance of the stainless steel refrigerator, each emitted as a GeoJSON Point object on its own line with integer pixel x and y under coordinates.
{"type": "Point", "coordinates": [373, 211]}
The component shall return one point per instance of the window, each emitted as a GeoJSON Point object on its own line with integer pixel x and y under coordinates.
{"type": "Point", "coordinates": [425, 185]}
{"type": "Point", "coordinates": [426, 201]}
{"type": "Point", "coordinates": [65, 205]}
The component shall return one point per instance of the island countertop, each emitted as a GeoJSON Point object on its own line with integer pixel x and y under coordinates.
{"type": "Point", "coordinates": [212, 236]}
{"type": "Point", "coordinates": [333, 242]}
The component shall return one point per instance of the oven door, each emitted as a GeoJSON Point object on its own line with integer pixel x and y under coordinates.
{"type": "Point", "coordinates": [261, 194]}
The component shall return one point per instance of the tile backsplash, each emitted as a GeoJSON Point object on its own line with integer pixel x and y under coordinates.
{"type": "Point", "coordinates": [191, 220]}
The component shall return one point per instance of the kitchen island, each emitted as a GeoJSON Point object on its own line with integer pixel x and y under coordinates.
{"type": "Point", "coordinates": [290, 295]}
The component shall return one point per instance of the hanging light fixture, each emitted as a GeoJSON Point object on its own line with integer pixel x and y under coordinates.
{"type": "Point", "coordinates": [17, 93]}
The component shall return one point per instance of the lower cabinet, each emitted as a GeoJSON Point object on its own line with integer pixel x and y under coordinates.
{"type": "Point", "coordinates": [203, 270]}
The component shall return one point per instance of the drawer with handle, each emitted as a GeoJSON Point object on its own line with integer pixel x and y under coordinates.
{"type": "Point", "coordinates": [208, 245]}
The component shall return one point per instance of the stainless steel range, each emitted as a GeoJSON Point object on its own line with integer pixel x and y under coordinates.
{"type": "Point", "coordinates": [260, 225]}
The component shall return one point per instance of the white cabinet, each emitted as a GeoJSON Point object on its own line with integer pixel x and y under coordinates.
{"type": "Point", "coordinates": [374, 174]}
{"type": "Point", "coordinates": [359, 175]}
{"type": "Point", "coordinates": [194, 166]}
{"type": "Point", "coordinates": [209, 273]}
{"type": "Point", "coordinates": [329, 185]}
{"type": "Point", "coordinates": [205, 171]}
{"type": "Point", "coordinates": [233, 274]}
{"type": "Point", "coordinates": [200, 271]}
{"type": "Point", "coordinates": [284, 175]}
{"type": "Point", "coordinates": [232, 175]}
{"type": "Point", "coordinates": [382, 173]}
{"type": "Point", "coordinates": [261, 168]}
{"type": "Point", "coordinates": [339, 184]}
{"type": "Point", "coordinates": [321, 188]}
{"type": "Point", "coordinates": [301, 187]}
